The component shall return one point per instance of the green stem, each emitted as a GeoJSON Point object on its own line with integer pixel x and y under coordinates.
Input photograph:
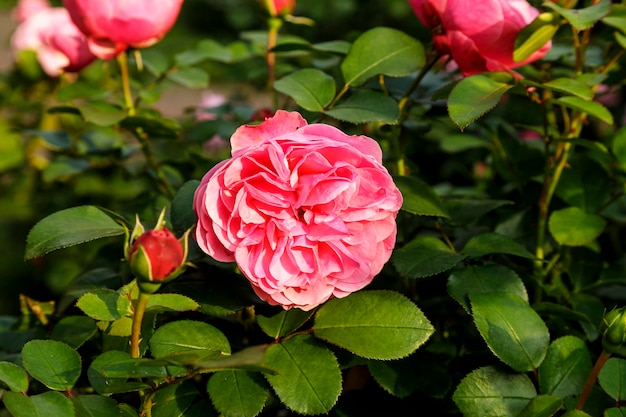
{"type": "Point", "coordinates": [274, 26]}
{"type": "Point", "coordinates": [122, 60]}
{"type": "Point", "coordinates": [591, 379]}
{"type": "Point", "coordinates": [434, 57]}
{"type": "Point", "coordinates": [135, 336]}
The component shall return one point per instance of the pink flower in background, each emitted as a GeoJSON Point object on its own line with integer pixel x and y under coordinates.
{"type": "Point", "coordinates": [306, 211]}
{"type": "Point", "coordinates": [208, 101]}
{"type": "Point", "coordinates": [27, 8]}
{"type": "Point", "coordinates": [59, 45]}
{"type": "Point", "coordinates": [112, 26]}
{"type": "Point", "coordinates": [480, 36]}
{"type": "Point", "coordinates": [278, 7]}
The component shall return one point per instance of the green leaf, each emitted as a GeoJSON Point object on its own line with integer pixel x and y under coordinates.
{"type": "Point", "coordinates": [308, 379]}
{"type": "Point", "coordinates": [155, 61]}
{"type": "Point", "coordinates": [95, 406]}
{"type": "Point", "coordinates": [104, 384]}
{"type": "Point", "coordinates": [488, 392]}
{"type": "Point", "coordinates": [48, 404]}
{"type": "Point", "coordinates": [64, 167]}
{"type": "Point", "coordinates": [190, 77]}
{"type": "Point", "coordinates": [207, 49]}
{"type": "Point", "coordinates": [12, 150]}
{"type": "Point", "coordinates": [617, 17]}
{"type": "Point", "coordinates": [612, 378]}
{"type": "Point", "coordinates": [283, 323]}
{"type": "Point", "coordinates": [14, 377]}
{"type": "Point", "coordinates": [464, 211]}
{"type": "Point", "coordinates": [574, 227]}
{"type": "Point", "coordinates": [182, 214]}
{"type": "Point", "coordinates": [419, 198]}
{"type": "Point", "coordinates": [74, 330]}
{"type": "Point", "coordinates": [311, 89]}
{"type": "Point", "coordinates": [592, 108]}
{"type": "Point", "coordinates": [153, 126]}
{"type": "Point", "coordinates": [582, 19]}
{"type": "Point", "coordinates": [104, 304]}
{"type": "Point", "coordinates": [425, 256]}
{"type": "Point", "coordinates": [54, 364]}
{"type": "Point", "coordinates": [535, 35]}
{"type": "Point", "coordinates": [178, 400]}
{"type": "Point", "coordinates": [187, 335]}
{"type": "Point", "coordinates": [375, 324]}
{"type": "Point", "coordinates": [365, 106]}
{"type": "Point", "coordinates": [542, 406]}
{"type": "Point", "coordinates": [381, 51]}
{"type": "Point", "coordinates": [474, 96]}
{"type": "Point", "coordinates": [565, 368]}
{"type": "Point", "coordinates": [171, 302]}
{"type": "Point", "coordinates": [395, 377]}
{"type": "Point", "coordinates": [513, 331]}
{"type": "Point", "coordinates": [101, 113]}
{"type": "Point", "coordinates": [489, 243]}
{"type": "Point", "coordinates": [460, 142]}
{"type": "Point", "coordinates": [238, 393]}
{"type": "Point", "coordinates": [69, 227]}
{"type": "Point", "coordinates": [585, 184]}
{"type": "Point", "coordinates": [248, 359]}
{"type": "Point", "coordinates": [484, 279]}
{"type": "Point", "coordinates": [570, 86]}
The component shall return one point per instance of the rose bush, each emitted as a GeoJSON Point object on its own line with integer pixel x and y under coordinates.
{"type": "Point", "coordinates": [306, 211]}
{"type": "Point", "coordinates": [58, 43]}
{"type": "Point", "coordinates": [479, 36]}
{"type": "Point", "coordinates": [114, 26]}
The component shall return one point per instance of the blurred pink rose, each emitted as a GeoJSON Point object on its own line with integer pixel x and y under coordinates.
{"type": "Point", "coordinates": [59, 45]}
{"type": "Point", "coordinates": [480, 36]}
{"type": "Point", "coordinates": [277, 7]}
{"type": "Point", "coordinates": [113, 26]}
{"type": "Point", "coordinates": [306, 211]}
{"type": "Point", "coordinates": [27, 8]}
{"type": "Point", "coordinates": [208, 101]}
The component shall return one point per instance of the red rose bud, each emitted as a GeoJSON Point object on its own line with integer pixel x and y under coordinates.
{"type": "Point", "coordinates": [156, 256]}
{"type": "Point", "coordinates": [279, 7]}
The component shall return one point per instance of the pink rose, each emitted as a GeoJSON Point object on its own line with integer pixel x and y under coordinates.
{"type": "Point", "coordinates": [27, 8]}
{"type": "Point", "coordinates": [112, 26]}
{"type": "Point", "coordinates": [59, 45]}
{"type": "Point", "coordinates": [306, 211]}
{"type": "Point", "coordinates": [480, 36]}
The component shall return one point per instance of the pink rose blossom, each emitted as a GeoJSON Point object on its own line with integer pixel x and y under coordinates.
{"type": "Point", "coordinates": [480, 36]}
{"type": "Point", "coordinates": [306, 211]}
{"type": "Point", "coordinates": [27, 8]}
{"type": "Point", "coordinates": [59, 45]}
{"type": "Point", "coordinates": [112, 26]}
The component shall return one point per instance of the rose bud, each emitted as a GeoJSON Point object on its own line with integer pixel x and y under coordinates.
{"type": "Point", "coordinates": [112, 26]}
{"type": "Point", "coordinates": [279, 7]}
{"type": "Point", "coordinates": [613, 330]}
{"type": "Point", "coordinates": [306, 211]}
{"type": "Point", "coordinates": [479, 36]}
{"type": "Point", "coordinates": [156, 256]}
